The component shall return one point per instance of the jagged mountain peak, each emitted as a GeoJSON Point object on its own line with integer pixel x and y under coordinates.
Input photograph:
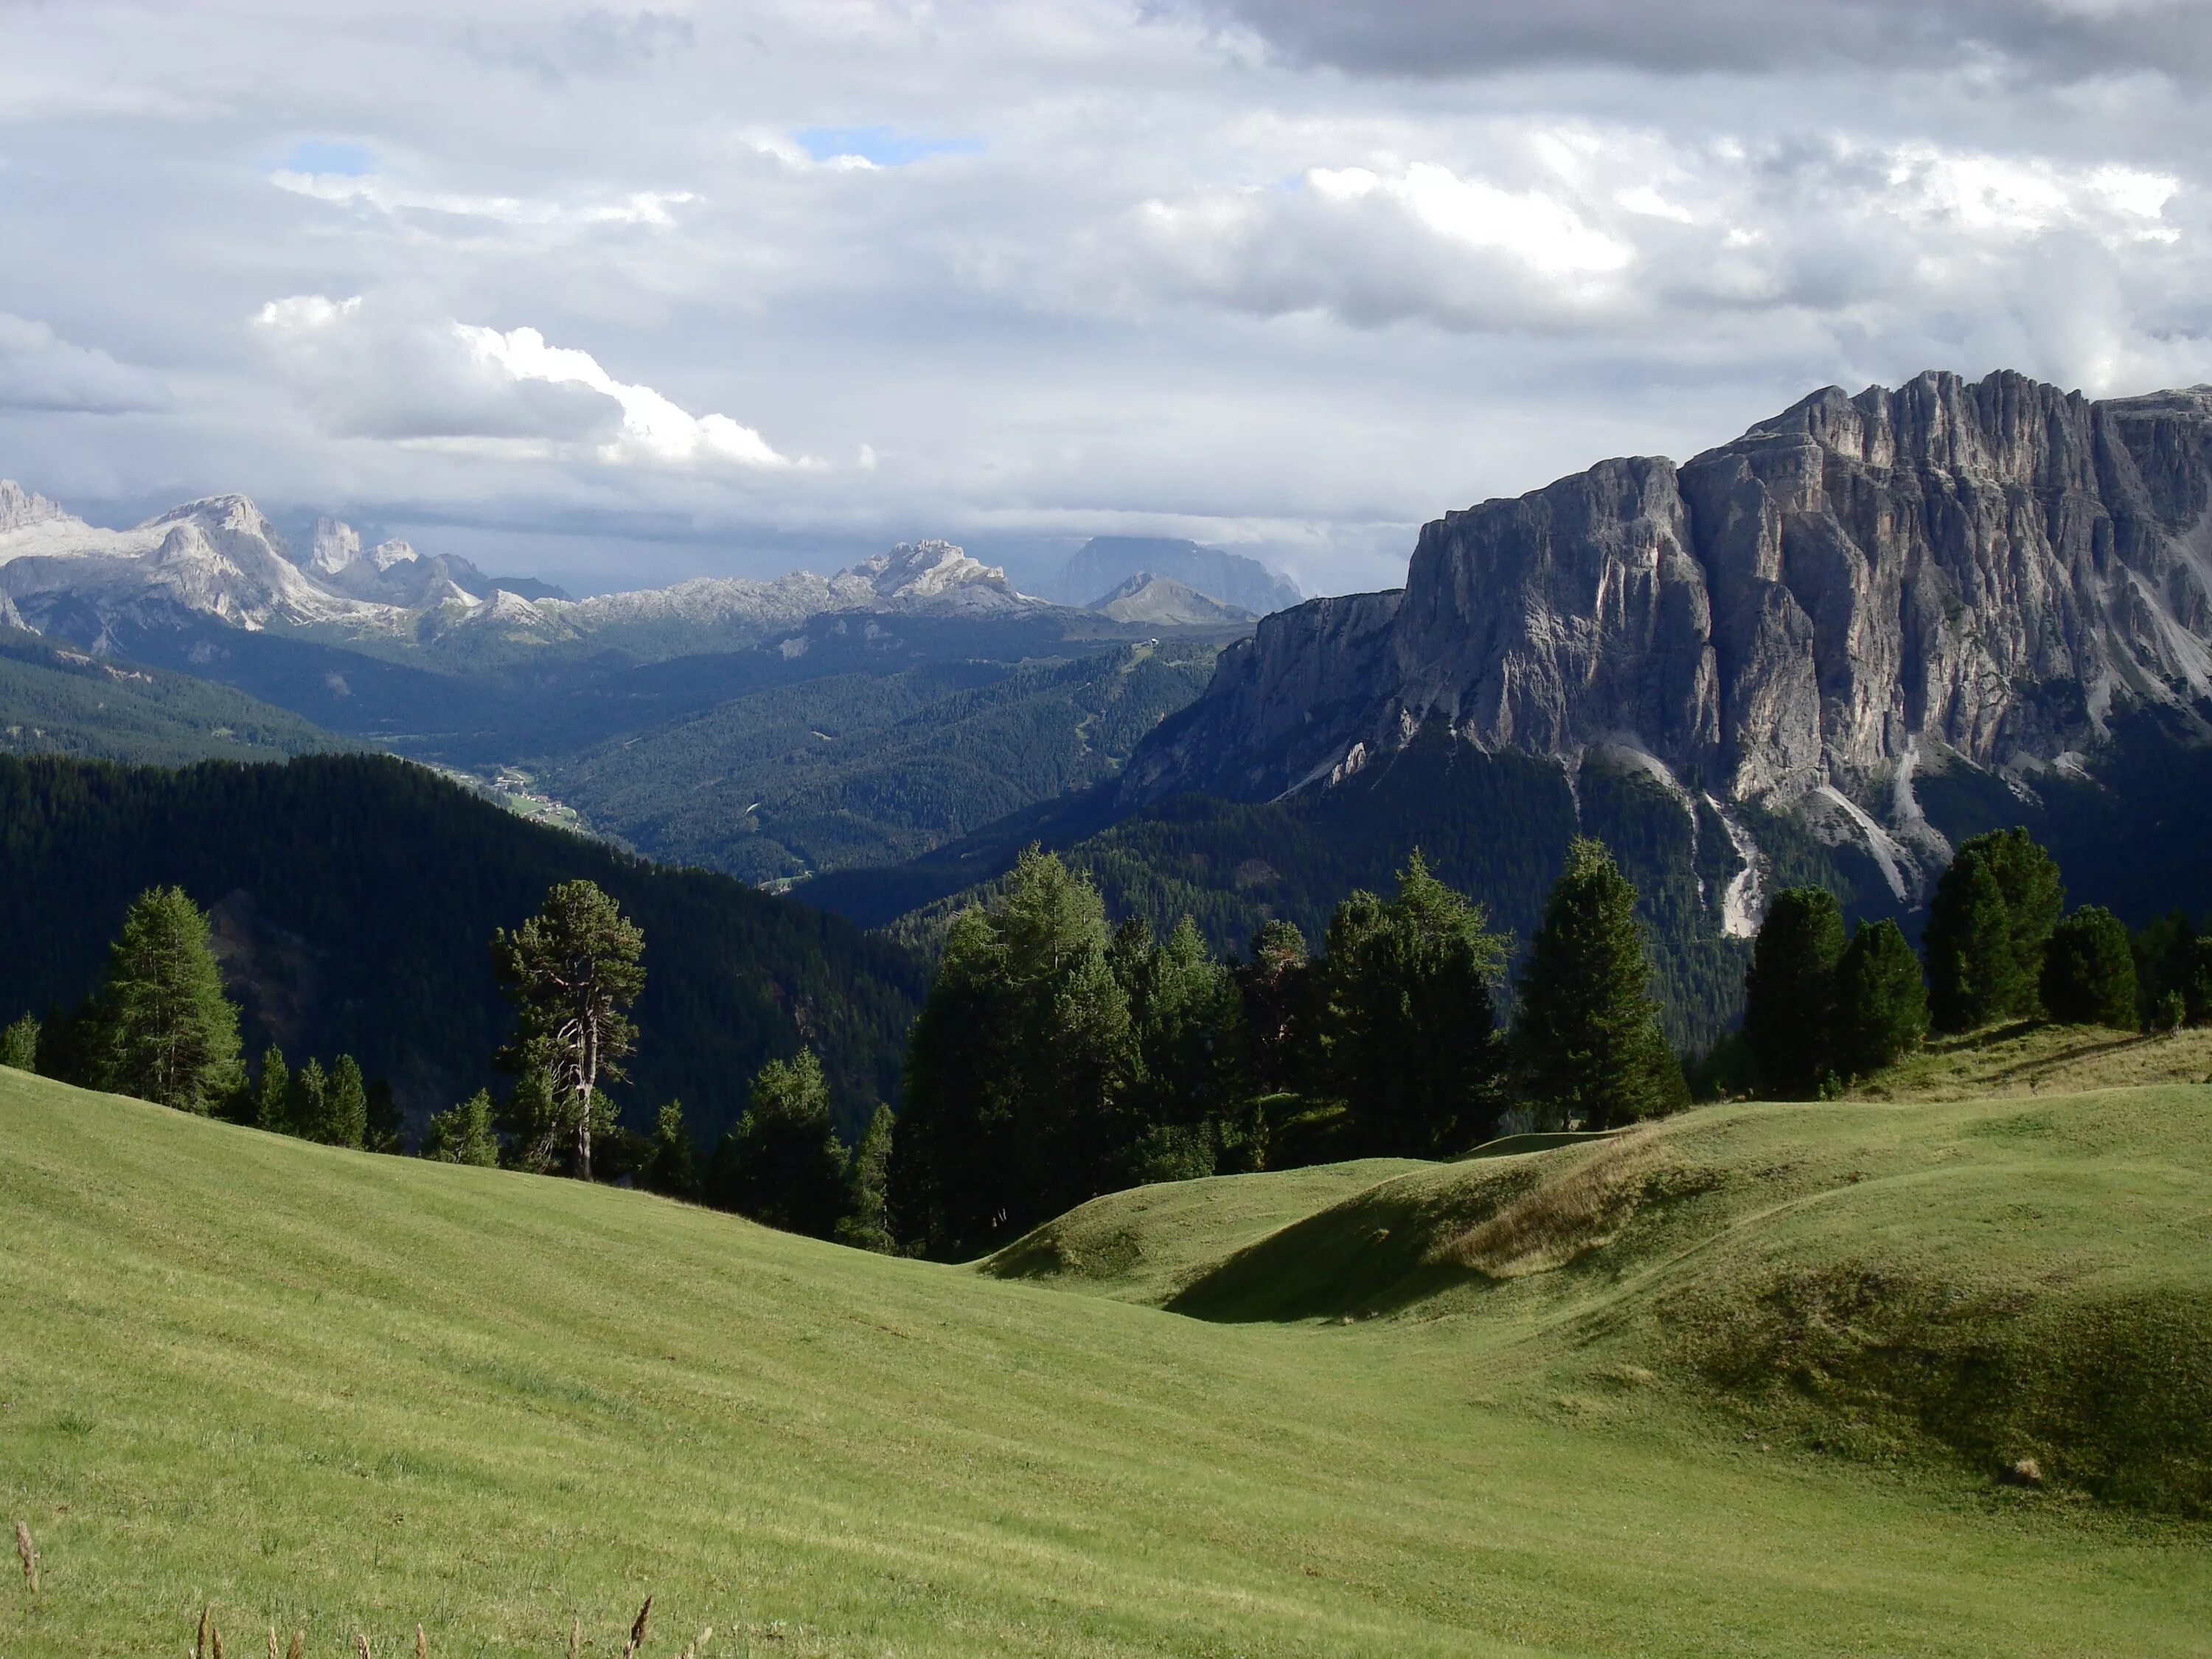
{"type": "Point", "coordinates": [19, 507]}
{"type": "Point", "coordinates": [1862, 585]}
{"type": "Point", "coordinates": [930, 569]}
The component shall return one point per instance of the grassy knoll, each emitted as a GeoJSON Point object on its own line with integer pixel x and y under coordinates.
{"type": "Point", "coordinates": [2030, 1058]}
{"type": "Point", "coordinates": [324, 1388]}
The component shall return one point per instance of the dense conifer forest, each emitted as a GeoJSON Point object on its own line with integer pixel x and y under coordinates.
{"type": "Point", "coordinates": [353, 899]}
{"type": "Point", "coordinates": [56, 699]}
{"type": "Point", "coordinates": [863, 768]}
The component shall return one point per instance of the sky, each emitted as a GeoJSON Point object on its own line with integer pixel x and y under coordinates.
{"type": "Point", "coordinates": [617, 295]}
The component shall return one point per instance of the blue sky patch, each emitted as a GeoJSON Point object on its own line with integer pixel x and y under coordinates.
{"type": "Point", "coordinates": [886, 147]}
{"type": "Point", "coordinates": [328, 155]}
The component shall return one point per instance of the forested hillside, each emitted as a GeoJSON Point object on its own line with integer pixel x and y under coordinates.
{"type": "Point", "coordinates": [55, 700]}
{"type": "Point", "coordinates": [1495, 826]}
{"type": "Point", "coordinates": [353, 900]}
{"type": "Point", "coordinates": [2128, 833]}
{"type": "Point", "coordinates": [860, 769]}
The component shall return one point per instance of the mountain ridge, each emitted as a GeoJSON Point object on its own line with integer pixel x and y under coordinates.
{"type": "Point", "coordinates": [1854, 591]}
{"type": "Point", "coordinates": [220, 558]}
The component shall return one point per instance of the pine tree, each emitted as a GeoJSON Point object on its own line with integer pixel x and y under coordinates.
{"type": "Point", "coordinates": [865, 1225]}
{"type": "Point", "coordinates": [1185, 1075]}
{"type": "Point", "coordinates": [781, 1165]}
{"type": "Point", "coordinates": [272, 1094]}
{"type": "Point", "coordinates": [168, 1033]}
{"type": "Point", "coordinates": [1275, 986]}
{"type": "Point", "coordinates": [18, 1044]}
{"type": "Point", "coordinates": [1586, 1044]}
{"type": "Point", "coordinates": [2089, 971]}
{"type": "Point", "coordinates": [384, 1126]}
{"type": "Point", "coordinates": [1789, 992]}
{"type": "Point", "coordinates": [1407, 1025]}
{"type": "Point", "coordinates": [572, 972]}
{"type": "Point", "coordinates": [670, 1166]}
{"type": "Point", "coordinates": [463, 1133]}
{"type": "Point", "coordinates": [310, 1100]}
{"type": "Point", "coordinates": [1018, 1073]}
{"type": "Point", "coordinates": [1987, 923]}
{"type": "Point", "coordinates": [1882, 1003]}
{"type": "Point", "coordinates": [345, 1107]}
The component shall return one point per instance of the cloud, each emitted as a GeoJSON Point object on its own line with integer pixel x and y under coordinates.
{"type": "Point", "coordinates": [40, 370]}
{"type": "Point", "coordinates": [399, 200]}
{"type": "Point", "coordinates": [653, 428]}
{"type": "Point", "coordinates": [374, 371]}
{"type": "Point", "coordinates": [1428, 38]}
{"type": "Point", "coordinates": [1261, 272]}
{"type": "Point", "coordinates": [1598, 230]}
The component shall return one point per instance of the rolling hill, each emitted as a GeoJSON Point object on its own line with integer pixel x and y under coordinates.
{"type": "Point", "coordinates": [1753, 1411]}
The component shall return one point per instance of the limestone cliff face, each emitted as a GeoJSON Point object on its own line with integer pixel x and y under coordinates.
{"type": "Point", "coordinates": [1983, 570]}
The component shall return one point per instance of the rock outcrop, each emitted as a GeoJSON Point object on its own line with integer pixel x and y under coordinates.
{"type": "Point", "coordinates": [1981, 571]}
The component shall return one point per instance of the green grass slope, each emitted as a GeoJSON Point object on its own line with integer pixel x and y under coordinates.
{"type": "Point", "coordinates": [1987, 1284]}
{"type": "Point", "coordinates": [325, 1389]}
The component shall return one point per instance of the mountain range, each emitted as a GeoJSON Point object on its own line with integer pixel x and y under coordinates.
{"type": "Point", "coordinates": [1814, 618]}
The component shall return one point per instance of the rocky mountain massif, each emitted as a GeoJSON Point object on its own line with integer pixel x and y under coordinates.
{"type": "Point", "coordinates": [1811, 621]}
{"type": "Point", "coordinates": [221, 560]}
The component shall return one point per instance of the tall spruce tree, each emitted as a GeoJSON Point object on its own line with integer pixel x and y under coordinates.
{"type": "Point", "coordinates": [167, 1033]}
{"type": "Point", "coordinates": [272, 1093]}
{"type": "Point", "coordinates": [572, 972]}
{"type": "Point", "coordinates": [1015, 1106]}
{"type": "Point", "coordinates": [310, 1096]}
{"type": "Point", "coordinates": [1789, 992]}
{"type": "Point", "coordinates": [18, 1044]}
{"type": "Point", "coordinates": [781, 1165]}
{"type": "Point", "coordinates": [670, 1165]}
{"type": "Point", "coordinates": [1276, 986]}
{"type": "Point", "coordinates": [345, 1107]}
{"type": "Point", "coordinates": [1586, 1041]}
{"type": "Point", "coordinates": [1882, 1003]}
{"type": "Point", "coordinates": [1185, 1071]}
{"type": "Point", "coordinates": [1987, 924]}
{"type": "Point", "coordinates": [866, 1223]}
{"type": "Point", "coordinates": [2089, 971]}
{"type": "Point", "coordinates": [1406, 1023]}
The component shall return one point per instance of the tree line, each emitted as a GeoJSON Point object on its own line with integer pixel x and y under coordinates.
{"type": "Point", "coordinates": [160, 1028]}
{"type": "Point", "coordinates": [1057, 1057]}
{"type": "Point", "coordinates": [1821, 1012]}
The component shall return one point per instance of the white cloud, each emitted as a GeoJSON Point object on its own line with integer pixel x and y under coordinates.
{"type": "Point", "coordinates": [391, 197]}
{"type": "Point", "coordinates": [653, 428]}
{"type": "Point", "coordinates": [40, 370]}
{"type": "Point", "coordinates": [1053, 264]}
{"type": "Point", "coordinates": [381, 372]}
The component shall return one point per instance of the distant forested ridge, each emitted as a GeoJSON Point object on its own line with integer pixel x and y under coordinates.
{"type": "Point", "coordinates": [56, 700]}
{"type": "Point", "coordinates": [353, 899]}
{"type": "Point", "coordinates": [864, 768]}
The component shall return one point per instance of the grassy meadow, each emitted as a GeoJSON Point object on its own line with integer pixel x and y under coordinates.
{"type": "Point", "coordinates": [1759, 1382]}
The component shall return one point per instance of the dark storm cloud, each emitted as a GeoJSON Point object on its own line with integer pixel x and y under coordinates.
{"type": "Point", "coordinates": [2048, 39]}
